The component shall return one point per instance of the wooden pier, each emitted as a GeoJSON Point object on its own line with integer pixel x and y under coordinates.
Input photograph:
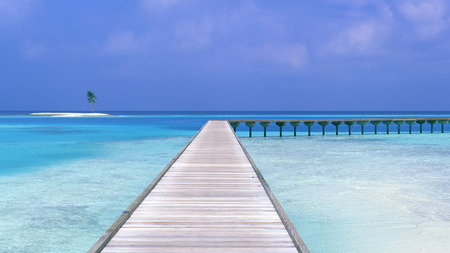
{"type": "Point", "coordinates": [210, 198]}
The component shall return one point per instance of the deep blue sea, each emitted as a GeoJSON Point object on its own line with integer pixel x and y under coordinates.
{"type": "Point", "coordinates": [64, 181]}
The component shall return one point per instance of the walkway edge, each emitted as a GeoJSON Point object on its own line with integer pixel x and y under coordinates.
{"type": "Point", "coordinates": [114, 228]}
{"type": "Point", "coordinates": [292, 231]}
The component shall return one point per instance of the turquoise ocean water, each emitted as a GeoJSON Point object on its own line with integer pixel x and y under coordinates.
{"type": "Point", "coordinates": [64, 181]}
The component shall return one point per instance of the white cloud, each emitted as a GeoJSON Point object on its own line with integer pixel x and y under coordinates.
{"type": "Point", "coordinates": [194, 35]}
{"type": "Point", "coordinates": [260, 35]}
{"type": "Point", "coordinates": [125, 42]}
{"type": "Point", "coordinates": [365, 36]}
{"type": "Point", "coordinates": [428, 16]}
{"type": "Point", "coordinates": [360, 39]}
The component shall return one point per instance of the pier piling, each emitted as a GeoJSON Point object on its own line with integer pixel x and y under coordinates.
{"type": "Point", "coordinates": [323, 124]}
{"type": "Point", "coordinates": [295, 124]}
{"type": "Point", "coordinates": [336, 124]}
{"type": "Point", "coordinates": [399, 123]}
{"type": "Point", "coordinates": [265, 124]}
{"type": "Point", "coordinates": [432, 122]}
{"type": "Point", "coordinates": [387, 123]}
{"type": "Point", "coordinates": [250, 125]}
{"type": "Point", "coordinates": [281, 124]}
{"type": "Point", "coordinates": [420, 122]}
{"type": "Point", "coordinates": [362, 124]}
{"type": "Point", "coordinates": [235, 124]}
{"type": "Point", "coordinates": [442, 122]}
{"type": "Point", "coordinates": [375, 123]}
{"type": "Point", "coordinates": [349, 123]}
{"type": "Point", "coordinates": [410, 122]}
{"type": "Point", "coordinates": [309, 124]}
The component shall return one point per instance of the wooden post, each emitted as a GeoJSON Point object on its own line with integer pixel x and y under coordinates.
{"type": "Point", "coordinates": [309, 124]}
{"type": "Point", "coordinates": [375, 123]}
{"type": "Point", "coordinates": [336, 124]}
{"type": "Point", "coordinates": [250, 125]}
{"type": "Point", "coordinates": [387, 123]}
{"type": "Point", "coordinates": [349, 124]}
{"type": "Point", "coordinates": [420, 122]}
{"type": "Point", "coordinates": [442, 122]}
{"type": "Point", "coordinates": [323, 124]}
{"type": "Point", "coordinates": [295, 124]}
{"type": "Point", "coordinates": [362, 123]}
{"type": "Point", "coordinates": [410, 122]}
{"type": "Point", "coordinates": [281, 124]}
{"type": "Point", "coordinates": [432, 122]}
{"type": "Point", "coordinates": [235, 124]}
{"type": "Point", "coordinates": [399, 123]}
{"type": "Point", "coordinates": [265, 124]}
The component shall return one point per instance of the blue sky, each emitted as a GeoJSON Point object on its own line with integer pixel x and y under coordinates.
{"type": "Point", "coordinates": [225, 55]}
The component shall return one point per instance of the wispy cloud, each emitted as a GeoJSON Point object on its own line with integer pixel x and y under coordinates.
{"type": "Point", "coordinates": [361, 39]}
{"type": "Point", "coordinates": [364, 35]}
{"type": "Point", "coordinates": [293, 55]}
{"type": "Point", "coordinates": [429, 17]}
{"type": "Point", "coordinates": [258, 34]}
{"type": "Point", "coordinates": [14, 9]}
{"type": "Point", "coordinates": [35, 50]}
{"type": "Point", "coordinates": [125, 42]}
{"type": "Point", "coordinates": [194, 35]}
{"type": "Point", "coordinates": [159, 5]}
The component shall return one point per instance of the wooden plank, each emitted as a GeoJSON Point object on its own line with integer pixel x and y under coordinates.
{"type": "Point", "coordinates": [210, 199]}
{"type": "Point", "coordinates": [204, 249]}
{"type": "Point", "coordinates": [292, 231]}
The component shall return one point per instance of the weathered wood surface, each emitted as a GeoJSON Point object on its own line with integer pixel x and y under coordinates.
{"type": "Point", "coordinates": [209, 200]}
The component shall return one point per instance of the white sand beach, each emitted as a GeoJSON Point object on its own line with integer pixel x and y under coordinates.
{"type": "Point", "coordinates": [69, 114]}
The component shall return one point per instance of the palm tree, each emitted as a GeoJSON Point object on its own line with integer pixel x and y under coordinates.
{"type": "Point", "coordinates": [91, 98]}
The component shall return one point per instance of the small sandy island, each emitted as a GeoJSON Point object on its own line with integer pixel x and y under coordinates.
{"type": "Point", "coordinates": [69, 114]}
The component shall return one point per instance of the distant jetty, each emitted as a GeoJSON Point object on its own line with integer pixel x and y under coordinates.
{"type": "Point", "coordinates": [69, 114]}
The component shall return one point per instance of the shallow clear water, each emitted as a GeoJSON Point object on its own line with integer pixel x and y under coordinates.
{"type": "Point", "coordinates": [65, 207]}
{"type": "Point", "coordinates": [64, 181]}
{"type": "Point", "coordinates": [368, 193]}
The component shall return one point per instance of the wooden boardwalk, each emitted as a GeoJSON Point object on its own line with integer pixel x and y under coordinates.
{"type": "Point", "coordinates": [211, 198]}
